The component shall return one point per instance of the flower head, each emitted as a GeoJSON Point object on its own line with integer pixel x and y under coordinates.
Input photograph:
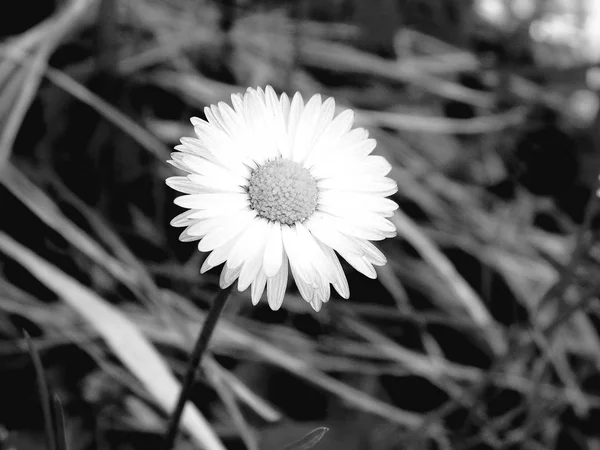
{"type": "Point", "coordinates": [275, 185]}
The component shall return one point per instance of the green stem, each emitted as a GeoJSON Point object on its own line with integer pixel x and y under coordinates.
{"type": "Point", "coordinates": [193, 364]}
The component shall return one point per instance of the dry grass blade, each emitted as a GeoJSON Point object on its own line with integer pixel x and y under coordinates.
{"type": "Point", "coordinates": [340, 57]}
{"type": "Point", "coordinates": [441, 125]}
{"type": "Point", "coordinates": [228, 398]}
{"type": "Point", "coordinates": [122, 336]}
{"type": "Point", "coordinates": [344, 58]}
{"type": "Point", "coordinates": [24, 98]}
{"type": "Point", "coordinates": [461, 289]}
{"type": "Point", "coordinates": [309, 441]}
{"type": "Point", "coordinates": [43, 392]}
{"type": "Point", "coordinates": [244, 394]}
{"type": "Point", "coordinates": [51, 34]}
{"type": "Point", "coordinates": [390, 281]}
{"type": "Point", "coordinates": [110, 113]}
{"type": "Point", "coordinates": [194, 87]}
{"type": "Point", "coordinates": [431, 368]}
{"type": "Point", "coordinates": [246, 341]}
{"type": "Point", "coordinates": [60, 425]}
{"type": "Point", "coordinates": [47, 211]}
{"type": "Point", "coordinates": [519, 86]}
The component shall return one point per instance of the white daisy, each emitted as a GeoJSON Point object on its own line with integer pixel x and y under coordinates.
{"type": "Point", "coordinates": [275, 185]}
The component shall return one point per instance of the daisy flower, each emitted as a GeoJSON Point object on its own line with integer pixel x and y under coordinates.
{"type": "Point", "coordinates": [275, 186]}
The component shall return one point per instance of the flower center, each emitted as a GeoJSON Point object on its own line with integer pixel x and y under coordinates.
{"type": "Point", "coordinates": [283, 191]}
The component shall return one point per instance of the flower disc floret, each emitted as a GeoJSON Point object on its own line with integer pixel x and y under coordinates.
{"type": "Point", "coordinates": [283, 191]}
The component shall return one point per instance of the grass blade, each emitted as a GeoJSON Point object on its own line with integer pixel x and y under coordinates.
{"type": "Point", "coordinates": [308, 441]}
{"type": "Point", "coordinates": [121, 335]}
{"type": "Point", "coordinates": [43, 392]}
{"type": "Point", "coordinates": [59, 424]}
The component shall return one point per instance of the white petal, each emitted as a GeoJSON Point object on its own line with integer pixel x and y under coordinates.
{"type": "Point", "coordinates": [293, 120]}
{"type": "Point", "coordinates": [186, 237]}
{"type": "Point", "coordinates": [284, 102]}
{"type": "Point", "coordinates": [306, 290]}
{"type": "Point", "coordinates": [360, 264]}
{"type": "Point", "coordinates": [321, 227]}
{"type": "Point", "coordinates": [375, 185]}
{"type": "Point", "coordinates": [205, 201]}
{"type": "Point", "coordinates": [237, 102]}
{"type": "Point", "coordinates": [225, 148]}
{"type": "Point", "coordinates": [203, 167]}
{"type": "Point", "coordinates": [233, 123]}
{"type": "Point", "coordinates": [194, 146]}
{"type": "Point", "coordinates": [228, 209]}
{"type": "Point", "coordinates": [342, 244]}
{"type": "Point", "coordinates": [183, 219]}
{"type": "Point", "coordinates": [322, 265]}
{"type": "Point", "coordinates": [372, 253]}
{"type": "Point", "coordinates": [277, 285]}
{"type": "Point", "coordinates": [301, 268]}
{"type": "Point", "coordinates": [261, 93]}
{"type": "Point", "coordinates": [212, 119]}
{"type": "Point", "coordinates": [370, 166]}
{"type": "Point", "coordinates": [215, 183]}
{"type": "Point", "coordinates": [271, 99]}
{"type": "Point", "coordinates": [361, 147]}
{"type": "Point", "coordinates": [250, 239]}
{"type": "Point", "coordinates": [254, 256]}
{"type": "Point", "coordinates": [364, 202]}
{"type": "Point", "coordinates": [330, 138]}
{"type": "Point", "coordinates": [228, 276]}
{"type": "Point", "coordinates": [218, 256]}
{"type": "Point", "coordinates": [210, 133]}
{"type": "Point", "coordinates": [340, 283]}
{"type": "Point", "coordinates": [258, 287]}
{"type": "Point", "coordinates": [311, 269]}
{"type": "Point", "coordinates": [320, 296]}
{"type": "Point", "coordinates": [350, 228]}
{"type": "Point", "coordinates": [304, 133]}
{"type": "Point", "coordinates": [222, 235]}
{"type": "Point", "coordinates": [259, 143]}
{"type": "Point", "coordinates": [323, 118]}
{"type": "Point", "coordinates": [342, 123]}
{"type": "Point", "coordinates": [278, 121]}
{"type": "Point", "coordinates": [326, 115]}
{"type": "Point", "coordinates": [203, 226]}
{"type": "Point", "coordinates": [353, 144]}
{"type": "Point", "coordinates": [177, 162]}
{"type": "Point", "coordinates": [208, 186]}
{"type": "Point", "coordinates": [225, 118]}
{"type": "Point", "coordinates": [363, 224]}
{"type": "Point", "coordinates": [273, 251]}
{"type": "Point", "coordinates": [183, 184]}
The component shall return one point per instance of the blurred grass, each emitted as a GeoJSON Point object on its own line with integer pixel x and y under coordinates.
{"type": "Point", "coordinates": [481, 332]}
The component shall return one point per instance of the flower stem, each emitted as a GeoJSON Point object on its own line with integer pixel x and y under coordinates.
{"type": "Point", "coordinates": [193, 364]}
